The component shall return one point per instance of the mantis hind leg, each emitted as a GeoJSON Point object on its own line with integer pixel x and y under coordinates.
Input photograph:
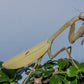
{"type": "Point", "coordinates": [30, 73]}
{"type": "Point", "coordinates": [70, 57]}
{"type": "Point", "coordinates": [61, 50]}
{"type": "Point", "coordinates": [36, 64]}
{"type": "Point", "coordinates": [51, 56]}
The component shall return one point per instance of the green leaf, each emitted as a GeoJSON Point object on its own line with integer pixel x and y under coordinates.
{"type": "Point", "coordinates": [13, 83]}
{"type": "Point", "coordinates": [81, 67]}
{"type": "Point", "coordinates": [1, 64]}
{"type": "Point", "coordinates": [4, 77]}
{"type": "Point", "coordinates": [9, 72]}
{"type": "Point", "coordinates": [55, 80]}
{"type": "Point", "coordinates": [37, 74]}
{"type": "Point", "coordinates": [52, 80]}
{"type": "Point", "coordinates": [47, 74]}
{"type": "Point", "coordinates": [72, 71]}
{"type": "Point", "coordinates": [31, 65]}
{"type": "Point", "coordinates": [66, 81]}
{"type": "Point", "coordinates": [61, 76]}
{"type": "Point", "coordinates": [30, 82]}
{"type": "Point", "coordinates": [76, 62]}
{"type": "Point", "coordinates": [62, 63]}
{"type": "Point", "coordinates": [27, 72]}
{"type": "Point", "coordinates": [49, 64]}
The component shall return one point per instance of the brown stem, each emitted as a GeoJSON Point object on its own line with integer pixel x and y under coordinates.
{"type": "Point", "coordinates": [30, 73]}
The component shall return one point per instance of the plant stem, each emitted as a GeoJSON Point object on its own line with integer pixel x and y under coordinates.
{"type": "Point", "coordinates": [58, 72]}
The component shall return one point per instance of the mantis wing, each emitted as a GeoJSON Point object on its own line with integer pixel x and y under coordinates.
{"type": "Point", "coordinates": [28, 56]}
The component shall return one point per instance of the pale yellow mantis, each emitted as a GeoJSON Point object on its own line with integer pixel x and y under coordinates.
{"type": "Point", "coordinates": [36, 52]}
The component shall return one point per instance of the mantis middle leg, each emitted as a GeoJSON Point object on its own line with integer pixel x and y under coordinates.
{"type": "Point", "coordinates": [72, 38]}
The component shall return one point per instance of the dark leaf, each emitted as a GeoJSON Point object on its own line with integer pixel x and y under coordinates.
{"type": "Point", "coordinates": [55, 80]}
{"type": "Point", "coordinates": [4, 77]}
{"type": "Point", "coordinates": [62, 63]}
{"type": "Point", "coordinates": [46, 74]}
{"type": "Point", "coordinates": [81, 67]}
{"type": "Point", "coordinates": [71, 81]}
{"type": "Point", "coordinates": [37, 74]}
{"type": "Point", "coordinates": [31, 65]}
{"type": "Point", "coordinates": [1, 64]}
{"type": "Point", "coordinates": [9, 72]}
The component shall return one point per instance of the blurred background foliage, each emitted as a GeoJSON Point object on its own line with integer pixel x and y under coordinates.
{"type": "Point", "coordinates": [61, 71]}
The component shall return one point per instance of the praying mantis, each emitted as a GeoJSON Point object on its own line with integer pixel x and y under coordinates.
{"type": "Point", "coordinates": [37, 52]}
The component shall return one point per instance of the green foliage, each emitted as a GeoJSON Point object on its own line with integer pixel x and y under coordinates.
{"type": "Point", "coordinates": [70, 80]}
{"type": "Point", "coordinates": [81, 67]}
{"type": "Point", "coordinates": [55, 79]}
{"type": "Point", "coordinates": [62, 63]}
{"type": "Point", "coordinates": [8, 76]}
{"type": "Point", "coordinates": [3, 77]}
{"type": "Point", "coordinates": [72, 71]}
{"type": "Point", "coordinates": [61, 71]}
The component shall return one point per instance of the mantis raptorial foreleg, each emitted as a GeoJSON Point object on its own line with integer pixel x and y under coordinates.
{"type": "Point", "coordinates": [30, 73]}
{"type": "Point", "coordinates": [74, 36]}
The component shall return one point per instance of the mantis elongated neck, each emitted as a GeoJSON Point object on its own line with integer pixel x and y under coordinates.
{"type": "Point", "coordinates": [66, 25]}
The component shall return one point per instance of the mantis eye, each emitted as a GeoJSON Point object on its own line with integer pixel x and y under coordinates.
{"type": "Point", "coordinates": [27, 53]}
{"type": "Point", "coordinates": [81, 16]}
{"type": "Point", "coordinates": [82, 42]}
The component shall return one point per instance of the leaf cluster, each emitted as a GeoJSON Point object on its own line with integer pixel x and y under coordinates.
{"type": "Point", "coordinates": [61, 71]}
{"type": "Point", "coordinates": [10, 76]}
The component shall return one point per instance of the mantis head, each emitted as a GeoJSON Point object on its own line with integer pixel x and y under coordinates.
{"type": "Point", "coordinates": [82, 42]}
{"type": "Point", "coordinates": [81, 16]}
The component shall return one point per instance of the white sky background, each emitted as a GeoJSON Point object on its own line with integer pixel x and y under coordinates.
{"type": "Point", "coordinates": [25, 23]}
